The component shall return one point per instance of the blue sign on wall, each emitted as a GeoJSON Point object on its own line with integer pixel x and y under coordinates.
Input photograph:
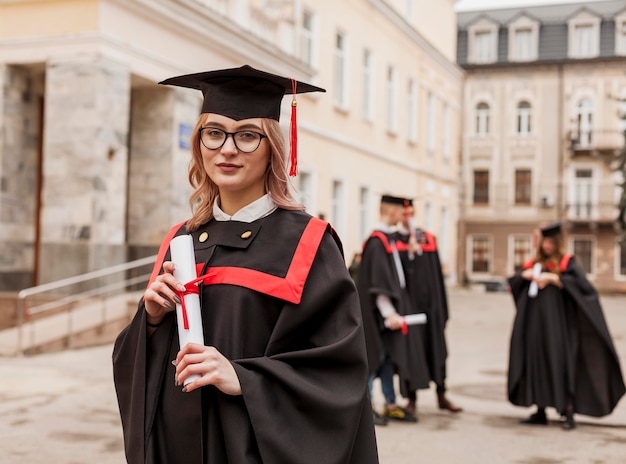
{"type": "Point", "coordinates": [184, 136]}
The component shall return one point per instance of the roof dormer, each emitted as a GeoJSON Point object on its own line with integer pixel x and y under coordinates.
{"type": "Point", "coordinates": [583, 36]}
{"type": "Point", "coordinates": [482, 37]}
{"type": "Point", "coordinates": [523, 38]}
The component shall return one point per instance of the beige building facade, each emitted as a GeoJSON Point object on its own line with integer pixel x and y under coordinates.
{"type": "Point", "coordinates": [94, 154]}
{"type": "Point", "coordinates": [543, 94]}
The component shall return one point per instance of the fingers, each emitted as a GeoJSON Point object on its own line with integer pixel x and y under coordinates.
{"type": "Point", "coordinates": [210, 364]}
{"type": "Point", "coordinates": [160, 295]}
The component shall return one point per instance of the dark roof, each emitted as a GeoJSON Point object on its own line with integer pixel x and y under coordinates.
{"type": "Point", "coordinates": [546, 14]}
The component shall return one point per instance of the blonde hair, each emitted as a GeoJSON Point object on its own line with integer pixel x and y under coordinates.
{"type": "Point", "coordinates": [205, 190]}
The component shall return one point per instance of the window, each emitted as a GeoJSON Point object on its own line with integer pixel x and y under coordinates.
{"type": "Point", "coordinates": [306, 192]}
{"type": "Point", "coordinates": [522, 252]}
{"type": "Point", "coordinates": [584, 121]}
{"type": "Point", "coordinates": [392, 96]}
{"type": "Point", "coordinates": [364, 209]}
{"type": "Point", "coordinates": [341, 60]}
{"type": "Point", "coordinates": [621, 255]}
{"type": "Point", "coordinates": [446, 132]}
{"type": "Point", "coordinates": [412, 111]}
{"type": "Point", "coordinates": [368, 86]}
{"type": "Point", "coordinates": [524, 47]}
{"type": "Point", "coordinates": [480, 254]}
{"type": "Point", "coordinates": [583, 250]}
{"type": "Point", "coordinates": [583, 37]}
{"type": "Point", "coordinates": [484, 44]}
{"type": "Point", "coordinates": [523, 118]}
{"type": "Point", "coordinates": [337, 216]}
{"type": "Point", "coordinates": [581, 207]}
{"type": "Point", "coordinates": [522, 186]}
{"type": "Point", "coordinates": [307, 38]}
{"type": "Point", "coordinates": [442, 239]}
{"type": "Point", "coordinates": [431, 121]}
{"type": "Point", "coordinates": [481, 187]}
{"type": "Point", "coordinates": [482, 119]}
{"type": "Point", "coordinates": [620, 39]}
{"type": "Point", "coordinates": [409, 9]}
{"type": "Point", "coordinates": [428, 216]}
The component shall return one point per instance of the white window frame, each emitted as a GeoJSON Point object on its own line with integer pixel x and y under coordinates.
{"type": "Point", "coordinates": [523, 118]}
{"type": "Point", "coordinates": [483, 42]}
{"type": "Point", "coordinates": [523, 25]}
{"type": "Point", "coordinates": [365, 212]}
{"type": "Point", "coordinates": [338, 206]}
{"type": "Point", "coordinates": [594, 256]}
{"type": "Point", "coordinates": [412, 110]}
{"type": "Point", "coordinates": [307, 189]}
{"type": "Point", "coordinates": [369, 79]}
{"type": "Point", "coordinates": [392, 99]}
{"type": "Point", "coordinates": [620, 34]}
{"type": "Point", "coordinates": [511, 249]}
{"type": "Point", "coordinates": [618, 263]}
{"type": "Point", "coordinates": [446, 131]}
{"type": "Point", "coordinates": [340, 70]}
{"type": "Point", "coordinates": [431, 122]}
{"type": "Point", "coordinates": [576, 192]}
{"type": "Point", "coordinates": [308, 38]}
{"type": "Point", "coordinates": [584, 26]}
{"type": "Point", "coordinates": [470, 254]}
{"type": "Point", "coordinates": [482, 119]}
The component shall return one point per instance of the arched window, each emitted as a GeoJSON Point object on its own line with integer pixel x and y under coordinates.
{"type": "Point", "coordinates": [524, 118]}
{"type": "Point", "coordinates": [584, 120]}
{"type": "Point", "coordinates": [482, 118]}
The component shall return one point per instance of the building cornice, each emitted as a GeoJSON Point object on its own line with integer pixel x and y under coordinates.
{"type": "Point", "coordinates": [402, 25]}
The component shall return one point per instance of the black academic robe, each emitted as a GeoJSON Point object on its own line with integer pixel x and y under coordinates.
{"type": "Point", "coordinates": [279, 303]}
{"type": "Point", "coordinates": [561, 349]}
{"type": "Point", "coordinates": [426, 286]}
{"type": "Point", "coordinates": [378, 275]}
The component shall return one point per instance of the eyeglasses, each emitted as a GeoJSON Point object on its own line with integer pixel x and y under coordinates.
{"type": "Point", "coordinates": [245, 141]}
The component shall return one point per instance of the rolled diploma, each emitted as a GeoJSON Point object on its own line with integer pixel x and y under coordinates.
{"type": "Point", "coordinates": [413, 319]}
{"type": "Point", "coordinates": [533, 289]}
{"type": "Point", "coordinates": [183, 257]}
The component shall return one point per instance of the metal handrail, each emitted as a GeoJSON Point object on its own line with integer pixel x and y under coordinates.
{"type": "Point", "coordinates": [64, 283]}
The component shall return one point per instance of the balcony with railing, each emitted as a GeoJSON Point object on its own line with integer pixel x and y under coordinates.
{"type": "Point", "coordinates": [591, 213]}
{"type": "Point", "coordinates": [606, 143]}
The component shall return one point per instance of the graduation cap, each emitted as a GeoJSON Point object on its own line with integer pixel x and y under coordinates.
{"type": "Point", "coordinates": [390, 199]}
{"type": "Point", "coordinates": [246, 92]}
{"type": "Point", "coordinates": [551, 230]}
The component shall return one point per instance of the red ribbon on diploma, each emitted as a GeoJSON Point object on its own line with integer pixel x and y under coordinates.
{"type": "Point", "coordinates": [190, 289]}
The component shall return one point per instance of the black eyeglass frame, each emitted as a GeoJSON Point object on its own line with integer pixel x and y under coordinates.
{"type": "Point", "coordinates": [231, 134]}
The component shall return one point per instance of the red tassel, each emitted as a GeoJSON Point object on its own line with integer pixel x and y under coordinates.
{"type": "Point", "coordinates": [293, 171]}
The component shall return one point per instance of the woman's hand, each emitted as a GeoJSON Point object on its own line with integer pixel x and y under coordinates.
{"type": "Point", "coordinates": [394, 321]}
{"type": "Point", "coordinates": [212, 365]}
{"type": "Point", "coordinates": [547, 278]}
{"type": "Point", "coordinates": [160, 297]}
{"type": "Point", "coordinates": [527, 274]}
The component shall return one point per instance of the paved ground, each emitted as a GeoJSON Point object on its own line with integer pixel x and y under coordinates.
{"type": "Point", "coordinates": [60, 408]}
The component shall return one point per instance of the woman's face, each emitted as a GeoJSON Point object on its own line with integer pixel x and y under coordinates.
{"type": "Point", "coordinates": [547, 246]}
{"type": "Point", "coordinates": [233, 171]}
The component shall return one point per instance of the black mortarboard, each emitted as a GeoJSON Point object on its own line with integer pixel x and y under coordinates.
{"type": "Point", "coordinates": [242, 93]}
{"type": "Point", "coordinates": [393, 200]}
{"type": "Point", "coordinates": [551, 230]}
{"type": "Point", "coordinates": [246, 92]}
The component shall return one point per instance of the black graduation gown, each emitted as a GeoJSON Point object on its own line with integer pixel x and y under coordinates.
{"type": "Point", "coordinates": [561, 349]}
{"type": "Point", "coordinates": [378, 275]}
{"type": "Point", "coordinates": [426, 286]}
{"type": "Point", "coordinates": [282, 307]}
